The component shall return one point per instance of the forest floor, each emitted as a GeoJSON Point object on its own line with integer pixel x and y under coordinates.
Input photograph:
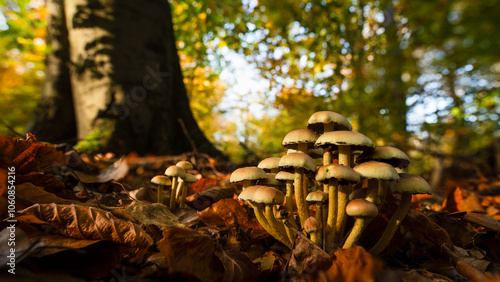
{"type": "Point", "coordinates": [93, 218]}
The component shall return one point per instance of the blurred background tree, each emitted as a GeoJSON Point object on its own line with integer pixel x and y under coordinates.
{"type": "Point", "coordinates": [423, 76]}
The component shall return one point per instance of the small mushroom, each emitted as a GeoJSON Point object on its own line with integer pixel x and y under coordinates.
{"type": "Point", "coordinates": [188, 180]}
{"type": "Point", "coordinates": [319, 198]}
{"type": "Point", "coordinates": [345, 141]}
{"type": "Point", "coordinates": [282, 214]}
{"type": "Point", "coordinates": [300, 140]}
{"type": "Point", "coordinates": [176, 173]}
{"type": "Point", "coordinates": [364, 211]}
{"type": "Point", "coordinates": [270, 164]}
{"type": "Point", "coordinates": [407, 185]}
{"type": "Point", "coordinates": [312, 226]}
{"type": "Point", "coordinates": [161, 181]}
{"type": "Point", "coordinates": [378, 175]}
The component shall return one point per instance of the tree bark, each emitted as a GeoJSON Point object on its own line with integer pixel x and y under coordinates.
{"type": "Point", "coordinates": [126, 81]}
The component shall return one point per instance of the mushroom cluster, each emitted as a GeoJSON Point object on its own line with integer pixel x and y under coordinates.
{"type": "Point", "coordinates": [320, 168]}
{"type": "Point", "coordinates": [178, 179]}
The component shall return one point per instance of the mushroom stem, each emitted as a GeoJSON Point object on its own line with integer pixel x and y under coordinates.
{"type": "Point", "coordinates": [277, 228]}
{"type": "Point", "coordinates": [319, 217]}
{"type": "Point", "coordinates": [159, 195]}
{"type": "Point", "coordinates": [393, 224]}
{"type": "Point", "coordinates": [302, 147]}
{"type": "Point", "coordinates": [300, 197]}
{"type": "Point", "coordinates": [356, 231]}
{"type": "Point", "coordinates": [332, 213]}
{"type": "Point", "coordinates": [172, 193]}
{"type": "Point", "coordinates": [245, 184]}
{"type": "Point", "coordinates": [180, 187]}
{"type": "Point", "coordinates": [327, 156]}
{"type": "Point", "coordinates": [383, 186]}
{"type": "Point", "coordinates": [343, 199]}
{"type": "Point", "coordinates": [182, 202]}
{"type": "Point", "coordinates": [345, 155]}
{"type": "Point", "coordinates": [372, 195]}
{"type": "Point", "coordinates": [289, 197]}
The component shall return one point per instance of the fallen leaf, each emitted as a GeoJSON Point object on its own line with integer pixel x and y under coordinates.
{"type": "Point", "coordinates": [29, 155]}
{"type": "Point", "coordinates": [237, 267]}
{"type": "Point", "coordinates": [48, 182]}
{"type": "Point", "coordinates": [86, 223]}
{"type": "Point", "coordinates": [454, 200]}
{"type": "Point", "coordinates": [31, 193]}
{"type": "Point", "coordinates": [353, 264]}
{"type": "Point", "coordinates": [190, 252]}
{"type": "Point", "coordinates": [152, 214]}
{"type": "Point", "coordinates": [472, 204]}
{"type": "Point", "coordinates": [229, 213]}
{"type": "Point", "coordinates": [203, 200]}
{"type": "Point", "coordinates": [116, 171]}
{"type": "Point", "coordinates": [202, 184]}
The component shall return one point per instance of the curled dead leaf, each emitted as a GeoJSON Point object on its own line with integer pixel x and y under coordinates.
{"type": "Point", "coordinates": [86, 223]}
{"type": "Point", "coordinates": [152, 214]}
{"type": "Point", "coordinates": [203, 200]}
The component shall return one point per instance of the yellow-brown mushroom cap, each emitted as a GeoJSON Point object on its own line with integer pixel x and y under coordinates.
{"type": "Point", "coordinates": [410, 183]}
{"type": "Point", "coordinates": [268, 195]}
{"type": "Point", "coordinates": [319, 119]}
{"type": "Point", "coordinates": [356, 140]}
{"type": "Point", "coordinates": [247, 173]}
{"type": "Point", "coordinates": [175, 171]}
{"type": "Point", "coordinates": [376, 170]}
{"type": "Point", "coordinates": [248, 193]}
{"type": "Point", "coordinates": [361, 208]}
{"type": "Point", "coordinates": [269, 163]}
{"type": "Point", "coordinates": [161, 180]}
{"type": "Point", "coordinates": [190, 178]}
{"type": "Point", "coordinates": [317, 197]}
{"type": "Point", "coordinates": [185, 165]}
{"type": "Point", "coordinates": [311, 225]}
{"type": "Point", "coordinates": [297, 160]}
{"type": "Point", "coordinates": [342, 173]}
{"type": "Point", "coordinates": [386, 154]}
{"type": "Point", "coordinates": [285, 176]}
{"type": "Point", "coordinates": [299, 136]}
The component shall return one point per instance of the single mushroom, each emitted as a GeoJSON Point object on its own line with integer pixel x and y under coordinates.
{"type": "Point", "coordinates": [300, 164]}
{"type": "Point", "coordinates": [364, 211]}
{"type": "Point", "coordinates": [312, 226]}
{"type": "Point", "coordinates": [386, 154]}
{"type": "Point", "coordinates": [282, 214]}
{"type": "Point", "coordinates": [338, 179]}
{"type": "Point", "coordinates": [247, 175]}
{"type": "Point", "coordinates": [407, 185]}
{"type": "Point", "coordinates": [270, 164]}
{"type": "Point", "coordinates": [319, 198]}
{"type": "Point", "coordinates": [180, 185]}
{"type": "Point", "coordinates": [271, 197]}
{"type": "Point", "coordinates": [175, 173]}
{"type": "Point", "coordinates": [161, 181]}
{"type": "Point", "coordinates": [300, 140]}
{"type": "Point", "coordinates": [188, 180]}
{"type": "Point", "coordinates": [378, 175]}
{"type": "Point", "coordinates": [326, 121]}
{"type": "Point", "coordinates": [345, 141]}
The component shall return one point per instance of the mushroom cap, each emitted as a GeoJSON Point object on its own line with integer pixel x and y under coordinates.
{"type": "Point", "coordinates": [285, 176]}
{"type": "Point", "coordinates": [385, 154]}
{"type": "Point", "coordinates": [269, 163]}
{"type": "Point", "coordinates": [299, 136]}
{"type": "Point", "coordinates": [319, 119]}
{"type": "Point", "coordinates": [175, 171]}
{"type": "Point", "coordinates": [297, 160]}
{"type": "Point", "coordinates": [342, 173]}
{"type": "Point", "coordinates": [268, 195]}
{"type": "Point", "coordinates": [376, 170]}
{"type": "Point", "coordinates": [161, 180]}
{"type": "Point", "coordinates": [317, 197]}
{"type": "Point", "coordinates": [314, 153]}
{"type": "Point", "coordinates": [410, 183]}
{"type": "Point", "coordinates": [247, 194]}
{"type": "Point", "coordinates": [185, 165]}
{"type": "Point", "coordinates": [361, 208]}
{"type": "Point", "coordinates": [311, 225]}
{"type": "Point", "coordinates": [190, 178]}
{"type": "Point", "coordinates": [247, 173]}
{"type": "Point", "coordinates": [356, 140]}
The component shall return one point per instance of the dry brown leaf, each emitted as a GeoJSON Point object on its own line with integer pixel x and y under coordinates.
{"type": "Point", "coordinates": [353, 264]}
{"type": "Point", "coordinates": [454, 200]}
{"type": "Point", "coordinates": [203, 200]}
{"type": "Point", "coordinates": [31, 193]}
{"type": "Point", "coordinates": [229, 212]}
{"type": "Point", "coordinates": [425, 230]}
{"type": "Point", "coordinates": [237, 267]}
{"type": "Point", "coordinates": [472, 204]}
{"type": "Point", "coordinates": [29, 155]}
{"type": "Point", "coordinates": [152, 214]}
{"type": "Point", "coordinates": [190, 252]}
{"type": "Point", "coordinates": [86, 223]}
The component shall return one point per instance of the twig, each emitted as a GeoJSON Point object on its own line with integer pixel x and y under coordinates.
{"type": "Point", "coordinates": [10, 128]}
{"type": "Point", "coordinates": [184, 129]}
{"type": "Point", "coordinates": [465, 269]}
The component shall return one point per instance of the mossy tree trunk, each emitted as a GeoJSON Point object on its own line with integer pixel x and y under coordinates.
{"type": "Point", "coordinates": [126, 82]}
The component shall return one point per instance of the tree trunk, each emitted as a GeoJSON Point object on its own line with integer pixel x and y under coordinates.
{"type": "Point", "coordinates": [127, 86]}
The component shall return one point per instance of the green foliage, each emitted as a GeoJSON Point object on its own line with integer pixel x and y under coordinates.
{"type": "Point", "coordinates": [98, 139]}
